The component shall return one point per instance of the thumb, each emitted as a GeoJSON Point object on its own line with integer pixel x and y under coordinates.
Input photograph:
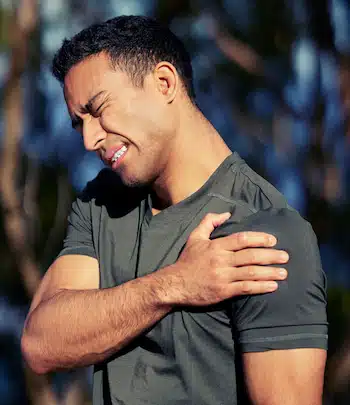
{"type": "Point", "coordinates": [208, 224]}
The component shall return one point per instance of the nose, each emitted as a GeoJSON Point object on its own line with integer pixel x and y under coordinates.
{"type": "Point", "coordinates": [93, 134]}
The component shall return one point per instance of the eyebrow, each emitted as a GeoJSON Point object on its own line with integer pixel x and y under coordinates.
{"type": "Point", "coordinates": [88, 105]}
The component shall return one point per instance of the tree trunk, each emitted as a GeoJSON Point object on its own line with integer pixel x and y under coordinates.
{"type": "Point", "coordinates": [23, 25]}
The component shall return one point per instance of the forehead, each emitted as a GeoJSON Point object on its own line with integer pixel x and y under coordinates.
{"type": "Point", "coordinates": [91, 76]}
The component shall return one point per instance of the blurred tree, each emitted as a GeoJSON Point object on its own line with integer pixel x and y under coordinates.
{"type": "Point", "coordinates": [19, 186]}
{"type": "Point", "coordinates": [24, 22]}
{"type": "Point", "coordinates": [244, 55]}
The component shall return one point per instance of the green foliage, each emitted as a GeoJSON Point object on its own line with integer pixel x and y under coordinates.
{"type": "Point", "coordinates": [5, 26]}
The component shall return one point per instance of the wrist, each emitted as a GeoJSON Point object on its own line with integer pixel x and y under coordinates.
{"type": "Point", "coordinates": [166, 281]}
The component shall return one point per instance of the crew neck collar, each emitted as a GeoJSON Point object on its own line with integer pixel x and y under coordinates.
{"type": "Point", "coordinates": [181, 209]}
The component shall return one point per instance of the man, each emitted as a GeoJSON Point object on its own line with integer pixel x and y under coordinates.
{"type": "Point", "coordinates": [162, 283]}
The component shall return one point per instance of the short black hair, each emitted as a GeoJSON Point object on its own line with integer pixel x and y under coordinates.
{"type": "Point", "coordinates": [135, 44]}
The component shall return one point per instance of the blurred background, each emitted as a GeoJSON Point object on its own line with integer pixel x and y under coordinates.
{"type": "Point", "coordinates": [273, 76]}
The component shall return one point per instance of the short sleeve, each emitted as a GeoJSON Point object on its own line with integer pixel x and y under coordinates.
{"type": "Point", "coordinates": [79, 240]}
{"type": "Point", "coordinates": [293, 316]}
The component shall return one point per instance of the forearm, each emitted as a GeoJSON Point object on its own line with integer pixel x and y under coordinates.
{"type": "Point", "coordinates": [77, 328]}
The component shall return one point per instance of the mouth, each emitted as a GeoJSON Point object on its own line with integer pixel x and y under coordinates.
{"type": "Point", "coordinates": [114, 157]}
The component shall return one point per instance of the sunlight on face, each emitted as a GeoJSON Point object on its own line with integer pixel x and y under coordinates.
{"type": "Point", "coordinates": [110, 112]}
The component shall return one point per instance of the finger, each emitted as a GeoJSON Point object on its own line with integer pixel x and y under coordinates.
{"type": "Point", "coordinates": [243, 240]}
{"type": "Point", "coordinates": [255, 273]}
{"type": "Point", "coordinates": [208, 224]}
{"type": "Point", "coordinates": [251, 287]}
{"type": "Point", "coordinates": [264, 256]}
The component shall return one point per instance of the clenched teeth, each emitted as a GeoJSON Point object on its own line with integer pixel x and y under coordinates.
{"type": "Point", "coordinates": [119, 153]}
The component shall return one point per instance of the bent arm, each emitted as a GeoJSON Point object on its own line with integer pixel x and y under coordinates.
{"type": "Point", "coordinates": [73, 323]}
{"type": "Point", "coordinates": [288, 377]}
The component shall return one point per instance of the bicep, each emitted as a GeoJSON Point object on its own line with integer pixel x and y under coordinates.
{"type": "Point", "coordinates": [76, 267]}
{"type": "Point", "coordinates": [283, 335]}
{"type": "Point", "coordinates": [75, 272]}
{"type": "Point", "coordinates": [294, 316]}
{"type": "Point", "coordinates": [289, 377]}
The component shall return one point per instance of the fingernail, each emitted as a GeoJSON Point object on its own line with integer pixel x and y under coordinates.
{"type": "Point", "coordinates": [283, 273]}
{"type": "Point", "coordinates": [284, 256]}
{"type": "Point", "coordinates": [272, 285]}
{"type": "Point", "coordinates": [272, 241]}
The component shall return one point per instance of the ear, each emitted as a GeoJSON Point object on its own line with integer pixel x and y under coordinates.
{"type": "Point", "coordinates": [167, 80]}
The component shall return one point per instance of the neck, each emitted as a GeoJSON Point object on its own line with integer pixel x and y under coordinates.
{"type": "Point", "coordinates": [198, 150]}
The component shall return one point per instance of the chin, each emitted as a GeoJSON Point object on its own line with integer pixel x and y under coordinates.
{"type": "Point", "coordinates": [134, 182]}
{"type": "Point", "coordinates": [137, 178]}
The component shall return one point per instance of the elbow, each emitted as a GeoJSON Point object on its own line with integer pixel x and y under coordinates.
{"type": "Point", "coordinates": [32, 356]}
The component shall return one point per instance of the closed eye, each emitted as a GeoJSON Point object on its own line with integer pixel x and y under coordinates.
{"type": "Point", "coordinates": [99, 108]}
{"type": "Point", "coordinates": [93, 112]}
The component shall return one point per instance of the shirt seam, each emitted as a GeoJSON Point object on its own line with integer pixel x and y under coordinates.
{"type": "Point", "coordinates": [285, 337]}
{"type": "Point", "coordinates": [256, 185]}
{"type": "Point", "coordinates": [78, 249]}
{"type": "Point", "coordinates": [85, 247]}
{"type": "Point", "coordinates": [225, 199]}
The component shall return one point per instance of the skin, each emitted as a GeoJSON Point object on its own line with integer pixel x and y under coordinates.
{"type": "Point", "coordinates": [167, 137]}
{"type": "Point", "coordinates": [158, 123]}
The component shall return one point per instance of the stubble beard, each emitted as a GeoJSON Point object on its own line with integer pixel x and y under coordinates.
{"type": "Point", "coordinates": [143, 181]}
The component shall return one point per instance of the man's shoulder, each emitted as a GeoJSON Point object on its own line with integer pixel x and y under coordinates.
{"type": "Point", "coordinates": [293, 316]}
{"type": "Point", "coordinates": [247, 188]}
{"type": "Point", "coordinates": [107, 190]}
{"type": "Point", "coordinates": [286, 224]}
{"type": "Point", "coordinates": [267, 208]}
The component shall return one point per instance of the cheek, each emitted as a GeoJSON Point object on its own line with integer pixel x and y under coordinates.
{"type": "Point", "coordinates": [117, 122]}
{"type": "Point", "coordinates": [155, 118]}
{"type": "Point", "coordinates": [140, 122]}
{"type": "Point", "coordinates": [108, 120]}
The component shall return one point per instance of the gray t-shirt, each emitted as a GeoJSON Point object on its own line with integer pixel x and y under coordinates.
{"type": "Point", "coordinates": [190, 356]}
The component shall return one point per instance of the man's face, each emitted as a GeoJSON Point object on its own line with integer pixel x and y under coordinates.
{"type": "Point", "coordinates": [130, 128]}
